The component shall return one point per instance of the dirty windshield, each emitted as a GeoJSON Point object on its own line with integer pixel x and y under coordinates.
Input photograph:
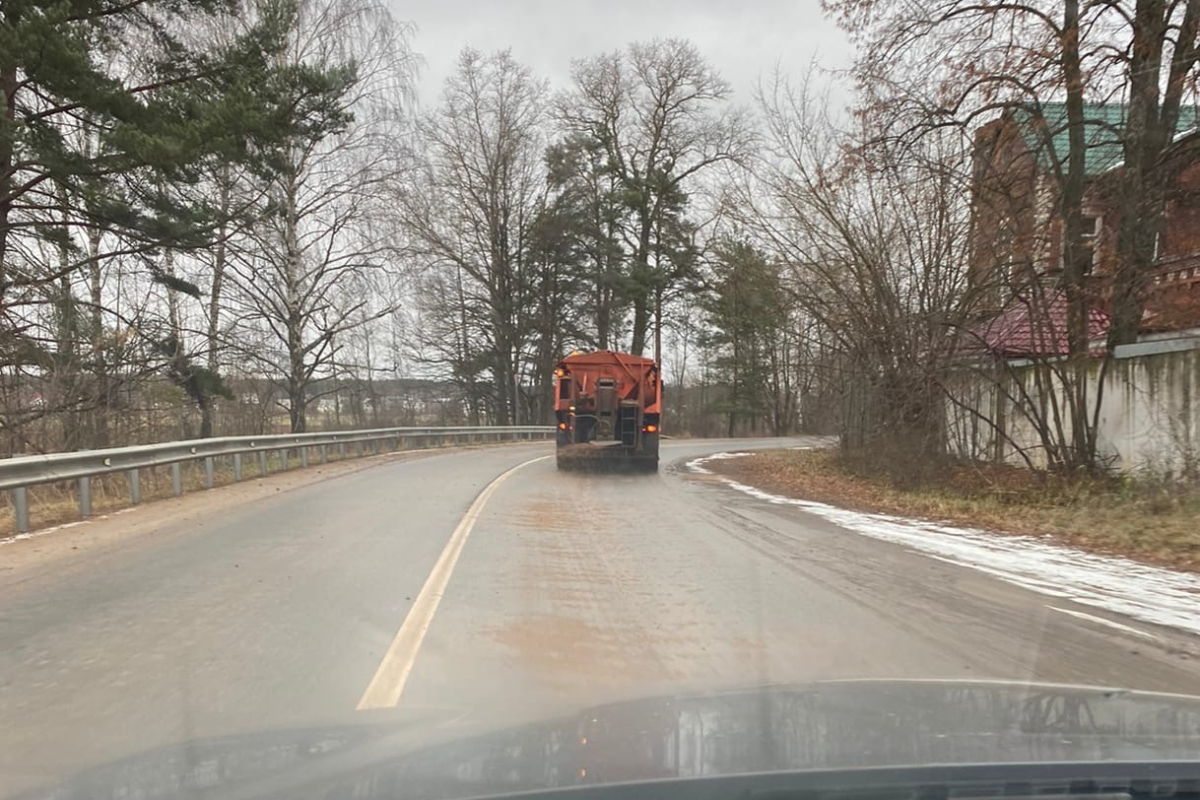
{"type": "Point", "coordinates": [440, 399]}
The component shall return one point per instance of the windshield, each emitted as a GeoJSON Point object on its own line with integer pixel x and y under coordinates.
{"type": "Point", "coordinates": [509, 396]}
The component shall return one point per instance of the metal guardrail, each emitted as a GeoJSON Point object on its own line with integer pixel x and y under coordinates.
{"type": "Point", "coordinates": [17, 474]}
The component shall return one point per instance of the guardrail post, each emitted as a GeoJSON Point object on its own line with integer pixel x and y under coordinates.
{"type": "Point", "coordinates": [135, 487]}
{"type": "Point", "coordinates": [303, 456]}
{"type": "Point", "coordinates": [20, 501]}
{"type": "Point", "coordinates": [237, 467]}
{"type": "Point", "coordinates": [262, 463]}
{"type": "Point", "coordinates": [85, 496]}
{"type": "Point", "coordinates": [176, 479]}
{"type": "Point", "coordinates": [283, 458]}
{"type": "Point", "coordinates": [324, 454]}
{"type": "Point", "coordinates": [358, 451]}
{"type": "Point", "coordinates": [341, 450]}
{"type": "Point", "coordinates": [208, 472]}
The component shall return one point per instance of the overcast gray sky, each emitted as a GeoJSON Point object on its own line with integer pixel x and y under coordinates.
{"type": "Point", "coordinates": [743, 39]}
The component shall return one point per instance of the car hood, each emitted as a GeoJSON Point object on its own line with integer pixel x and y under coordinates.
{"type": "Point", "coordinates": [834, 725]}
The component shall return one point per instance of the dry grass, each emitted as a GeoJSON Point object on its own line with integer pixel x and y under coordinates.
{"type": "Point", "coordinates": [1149, 521]}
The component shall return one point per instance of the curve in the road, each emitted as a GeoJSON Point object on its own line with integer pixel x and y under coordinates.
{"type": "Point", "coordinates": [387, 685]}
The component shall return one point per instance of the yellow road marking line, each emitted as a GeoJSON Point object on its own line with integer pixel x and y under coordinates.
{"type": "Point", "coordinates": [385, 688]}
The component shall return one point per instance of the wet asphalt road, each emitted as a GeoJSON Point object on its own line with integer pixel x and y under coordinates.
{"type": "Point", "coordinates": [571, 590]}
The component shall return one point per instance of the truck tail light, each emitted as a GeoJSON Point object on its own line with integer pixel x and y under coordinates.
{"type": "Point", "coordinates": [651, 429]}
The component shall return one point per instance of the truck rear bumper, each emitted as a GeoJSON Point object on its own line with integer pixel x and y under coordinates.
{"type": "Point", "coordinates": [602, 457]}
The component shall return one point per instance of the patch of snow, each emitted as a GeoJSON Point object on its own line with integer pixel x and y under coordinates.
{"type": "Point", "coordinates": [1148, 593]}
{"type": "Point", "coordinates": [697, 465]}
{"type": "Point", "coordinates": [20, 537]}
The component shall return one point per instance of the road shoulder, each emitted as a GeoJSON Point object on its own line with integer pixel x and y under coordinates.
{"type": "Point", "coordinates": [80, 544]}
{"type": "Point", "coordinates": [1127, 589]}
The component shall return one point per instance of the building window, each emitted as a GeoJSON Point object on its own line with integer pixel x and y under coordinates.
{"type": "Point", "coordinates": [1093, 226]}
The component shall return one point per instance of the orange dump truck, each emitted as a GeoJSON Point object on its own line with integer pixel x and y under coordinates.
{"type": "Point", "coordinates": [608, 408]}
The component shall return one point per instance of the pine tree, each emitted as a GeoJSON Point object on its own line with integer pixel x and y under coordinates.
{"type": "Point", "coordinates": [116, 115]}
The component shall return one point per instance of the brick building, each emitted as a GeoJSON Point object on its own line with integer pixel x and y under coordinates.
{"type": "Point", "coordinates": [1017, 234]}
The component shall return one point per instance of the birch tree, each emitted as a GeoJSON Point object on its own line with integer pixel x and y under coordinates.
{"type": "Point", "coordinates": [321, 262]}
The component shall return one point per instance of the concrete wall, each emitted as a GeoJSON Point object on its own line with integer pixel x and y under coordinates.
{"type": "Point", "coordinates": [1149, 410]}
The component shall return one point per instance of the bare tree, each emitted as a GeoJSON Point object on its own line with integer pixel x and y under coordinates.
{"type": "Point", "coordinates": [1079, 78]}
{"type": "Point", "coordinates": [321, 262]}
{"type": "Point", "coordinates": [659, 114]}
{"type": "Point", "coordinates": [471, 222]}
{"type": "Point", "coordinates": [874, 239]}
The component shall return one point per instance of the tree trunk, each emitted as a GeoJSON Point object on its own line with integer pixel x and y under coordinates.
{"type": "Point", "coordinates": [641, 301]}
{"type": "Point", "coordinates": [297, 379]}
{"type": "Point", "coordinates": [297, 404]}
{"type": "Point", "coordinates": [658, 293]}
{"type": "Point", "coordinates": [1077, 260]}
{"type": "Point", "coordinates": [66, 367]}
{"type": "Point", "coordinates": [178, 346]}
{"type": "Point", "coordinates": [206, 417]}
{"type": "Point", "coordinates": [603, 317]}
{"type": "Point", "coordinates": [641, 323]}
{"type": "Point", "coordinates": [503, 383]}
{"type": "Point", "coordinates": [208, 406]}
{"type": "Point", "coordinates": [8, 85]}
{"type": "Point", "coordinates": [1139, 216]}
{"type": "Point", "coordinates": [103, 403]}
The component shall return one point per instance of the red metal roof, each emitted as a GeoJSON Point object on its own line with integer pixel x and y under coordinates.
{"type": "Point", "coordinates": [1032, 327]}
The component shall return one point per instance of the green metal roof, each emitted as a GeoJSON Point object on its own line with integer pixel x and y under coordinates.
{"type": "Point", "coordinates": [1103, 124]}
